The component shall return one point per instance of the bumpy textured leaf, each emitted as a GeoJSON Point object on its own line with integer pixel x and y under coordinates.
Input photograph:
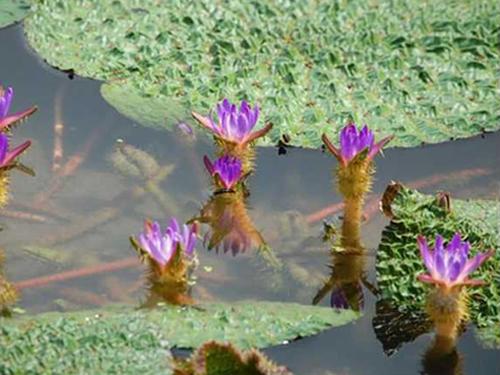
{"type": "Point", "coordinates": [83, 345]}
{"type": "Point", "coordinates": [424, 71]}
{"type": "Point", "coordinates": [398, 258]}
{"type": "Point", "coordinates": [125, 341]}
{"type": "Point", "coordinates": [12, 11]}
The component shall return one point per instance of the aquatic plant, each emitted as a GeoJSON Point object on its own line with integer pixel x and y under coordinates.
{"type": "Point", "coordinates": [8, 121]}
{"type": "Point", "coordinates": [7, 162]}
{"type": "Point", "coordinates": [413, 214]}
{"type": "Point", "coordinates": [450, 266]}
{"type": "Point", "coordinates": [231, 227]}
{"type": "Point", "coordinates": [354, 142]}
{"type": "Point", "coordinates": [226, 171]}
{"type": "Point", "coordinates": [355, 156]}
{"type": "Point", "coordinates": [426, 82]}
{"type": "Point", "coordinates": [233, 130]}
{"type": "Point", "coordinates": [170, 256]}
{"type": "Point", "coordinates": [355, 170]}
{"type": "Point", "coordinates": [214, 358]}
{"type": "Point", "coordinates": [449, 270]}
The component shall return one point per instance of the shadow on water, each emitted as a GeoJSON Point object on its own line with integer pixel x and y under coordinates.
{"type": "Point", "coordinates": [87, 218]}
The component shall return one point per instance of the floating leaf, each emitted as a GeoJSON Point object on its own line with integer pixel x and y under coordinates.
{"type": "Point", "coordinates": [91, 345]}
{"type": "Point", "coordinates": [156, 112]}
{"type": "Point", "coordinates": [398, 258]}
{"type": "Point", "coordinates": [12, 11]}
{"type": "Point", "coordinates": [311, 65]}
{"type": "Point", "coordinates": [121, 340]}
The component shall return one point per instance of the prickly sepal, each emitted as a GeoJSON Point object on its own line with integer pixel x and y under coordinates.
{"type": "Point", "coordinates": [447, 308]}
{"type": "Point", "coordinates": [4, 188]}
{"type": "Point", "coordinates": [174, 293]}
{"type": "Point", "coordinates": [170, 283]}
{"type": "Point", "coordinates": [214, 358]}
{"type": "Point", "coordinates": [231, 226]}
{"type": "Point", "coordinates": [355, 179]}
{"type": "Point", "coordinates": [177, 270]}
{"type": "Point", "coordinates": [8, 294]}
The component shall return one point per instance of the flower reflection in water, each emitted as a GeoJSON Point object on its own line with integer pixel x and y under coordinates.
{"type": "Point", "coordinates": [347, 278]}
{"type": "Point", "coordinates": [442, 358]}
{"type": "Point", "coordinates": [171, 259]}
{"type": "Point", "coordinates": [226, 213]}
{"type": "Point", "coordinates": [348, 275]}
{"type": "Point", "coordinates": [231, 227]}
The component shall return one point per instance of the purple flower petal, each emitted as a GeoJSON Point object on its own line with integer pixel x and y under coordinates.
{"type": "Point", "coordinates": [449, 266]}
{"type": "Point", "coordinates": [5, 101]}
{"type": "Point", "coordinates": [353, 142]}
{"type": "Point", "coordinates": [4, 147]}
{"type": "Point", "coordinates": [161, 246]}
{"type": "Point", "coordinates": [10, 156]}
{"type": "Point", "coordinates": [234, 124]}
{"type": "Point", "coordinates": [425, 253]}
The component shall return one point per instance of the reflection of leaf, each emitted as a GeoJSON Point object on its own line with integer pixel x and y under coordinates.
{"type": "Point", "coordinates": [490, 335]}
{"type": "Point", "coordinates": [12, 11]}
{"type": "Point", "coordinates": [246, 324]}
{"type": "Point", "coordinates": [393, 327]}
{"type": "Point", "coordinates": [410, 76]}
{"type": "Point", "coordinates": [398, 259]}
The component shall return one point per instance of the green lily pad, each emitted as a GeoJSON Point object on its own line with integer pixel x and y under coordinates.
{"type": "Point", "coordinates": [122, 340]}
{"type": "Point", "coordinates": [398, 258]}
{"type": "Point", "coordinates": [158, 112]}
{"type": "Point", "coordinates": [12, 11]}
{"type": "Point", "coordinates": [62, 344]}
{"type": "Point", "coordinates": [424, 71]}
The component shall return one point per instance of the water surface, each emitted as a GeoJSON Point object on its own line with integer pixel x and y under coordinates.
{"type": "Point", "coordinates": [285, 190]}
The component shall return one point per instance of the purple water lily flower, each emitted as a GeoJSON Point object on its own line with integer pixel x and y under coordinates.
{"type": "Point", "coordinates": [234, 124]}
{"type": "Point", "coordinates": [450, 266]}
{"type": "Point", "coordinates": [162, 245]}
{"type": "Point", "coordinates": [8, 157]}
{"type": "Point", "coordinates": [353, 142]}
{"type": "Point", "coordinates": [5, 102]}
{"type": "Point", "coordinates": [228, 170]}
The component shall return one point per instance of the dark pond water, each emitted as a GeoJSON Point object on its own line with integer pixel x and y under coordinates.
{"type": "Point", "coordinates": [87, 217]}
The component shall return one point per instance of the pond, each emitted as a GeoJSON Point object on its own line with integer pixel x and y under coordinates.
{"type": "Point", "coordinates": [65, 231]}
